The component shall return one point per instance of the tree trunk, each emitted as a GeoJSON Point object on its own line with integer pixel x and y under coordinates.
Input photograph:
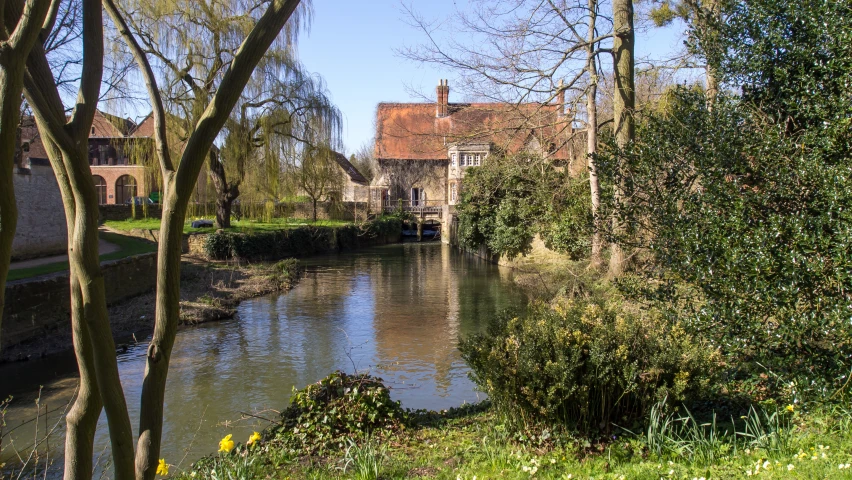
{"type": "Point", "coordinates": [623, 106]}
{"type": "Point", "coordinates": [710, 28]}
{"type": "Point", "coordinates": [592, 137]}
{"type": "Point", "coordinates": [165, 329]}
{"type": "Point", "coordinates": [225, 193]}
{"type": "Point", "coordinates": [11, 85]}
{"type": "Point", "coordinates": [24, 22]}
{"type": "Point", "coordinates": [66, 142]}
{"type": "Point", "coordinates": [82, 420]}
{"type": "Point", "coordinates": [314, 202]}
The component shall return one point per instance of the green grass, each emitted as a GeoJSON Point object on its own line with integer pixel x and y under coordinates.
{"type": "Point", "coordinates": [480, 446]}
{"type": "Point", "coordinates": [128, 247]}
{"type": "Point", "coordinates": [236, 226]}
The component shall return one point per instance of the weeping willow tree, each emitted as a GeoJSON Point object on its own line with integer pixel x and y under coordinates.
{"type": "Point", "coordinates": [196, 59]}
{"type": "Point", "coordinates": [18, 35]}
{"type": "Point", "coordinates": [282, 106]}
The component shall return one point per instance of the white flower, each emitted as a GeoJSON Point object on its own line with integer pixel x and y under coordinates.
{"type": "Point", "coordinates": [748, 472]}
{"type": "Point", "coordinates": [790, 467]}
{"type": "Point", "coordinates": [766, 465]}
{"type": "Point", "coordinates": [525, 468]}
{"type": "Point", "coordinates": [671, 472]}
{"type": "Point", "coordinates": [533, 470]}
{"type": "Point", "coordinates": [552, 461]}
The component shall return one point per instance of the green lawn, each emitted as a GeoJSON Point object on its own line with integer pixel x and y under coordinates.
{"type": "Point", "coordinates": [128, 246]}
{"type": "Point", "coordinates": [480, 446]}
{"type": "Point", "coordinates": [236, 226]}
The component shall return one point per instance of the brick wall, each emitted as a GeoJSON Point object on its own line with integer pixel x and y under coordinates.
{"type": "Point", "coordinates": [41, 227]}
{"type": "Point", "coordinates": [40, 306]}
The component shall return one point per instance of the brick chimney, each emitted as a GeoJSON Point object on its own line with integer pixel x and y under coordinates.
{"type": "Point", "coordinates": [442, 108]}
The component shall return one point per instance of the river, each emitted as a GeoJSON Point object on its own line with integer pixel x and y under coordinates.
{"type": "Point", "coordinates": [395, 311]}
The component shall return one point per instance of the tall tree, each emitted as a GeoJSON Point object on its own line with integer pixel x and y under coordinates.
{"type": "Point", "coordinates": [623, 105]}
{"type": "Point", "coordinates": [66, 142]}
{"type": "Point", "coordinates": [221, 92]}
{"type": "Point", "coordinates": [18, 35]}
{"type": "Point", "coordinates": [278, 108]}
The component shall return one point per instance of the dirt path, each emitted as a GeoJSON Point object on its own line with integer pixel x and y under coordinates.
{"type": "Point", "coordinates": [103, 246]}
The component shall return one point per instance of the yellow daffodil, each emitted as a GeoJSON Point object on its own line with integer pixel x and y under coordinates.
{"type": "Point", "coordinates": [163, 467]}
{"type": "Point", "coordinates": [790, 408]}
{"type": "Point", "coordinates": [255, 437]}
{"type": "Point", "coordinates": [226, 444]}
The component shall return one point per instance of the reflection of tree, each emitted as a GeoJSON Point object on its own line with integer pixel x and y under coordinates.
{"type": "Point", "coordinates": [428, 297]}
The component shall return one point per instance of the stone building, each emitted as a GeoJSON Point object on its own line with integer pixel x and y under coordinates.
{"type": "Point", "coordinates": [423, 149]}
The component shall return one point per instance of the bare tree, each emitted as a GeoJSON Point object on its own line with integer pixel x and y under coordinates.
{"type": "Point", "coordinates": [518, 52]}
{"type": "Point", "coordinates": [18, 35]}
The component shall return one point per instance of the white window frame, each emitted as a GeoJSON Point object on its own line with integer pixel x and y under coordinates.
{"type": "Point", "coordinates": [453, 159]}
{"type": "Point", "coordinates": [453, 192]}
{"type": "Point", "coordinates": [478, 159]}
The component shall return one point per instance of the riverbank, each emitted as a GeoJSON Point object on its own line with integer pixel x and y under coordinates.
{"type": "Point", "coordinates": [475, 442]}
{"type": "Point", "coordinates": [209, 291]}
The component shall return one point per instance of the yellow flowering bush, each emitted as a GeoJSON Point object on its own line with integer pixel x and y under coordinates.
{"type": "Point", "coordinates": [586, 364]}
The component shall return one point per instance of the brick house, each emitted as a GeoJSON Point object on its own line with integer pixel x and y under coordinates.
{"type": "Point", "coordinates": [423, 149]}
{"type": "Point", "coordinates": [117, 154]}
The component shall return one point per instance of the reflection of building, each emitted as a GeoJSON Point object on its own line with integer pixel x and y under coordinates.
{"type": "Point", "coordinates": [424, 149]}
{"type": "Point", "coordinates": [118, 149]}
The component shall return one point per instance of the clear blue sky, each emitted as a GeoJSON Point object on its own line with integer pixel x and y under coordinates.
{"type": "Point", "coordinates": [353, 46]}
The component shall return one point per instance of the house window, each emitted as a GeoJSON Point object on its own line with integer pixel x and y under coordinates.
{"type": "Point", "coordinates": [125, 189]}
{"type": "Point", "coordinates": [453, 160]}
{"type": "Point", "coordinates": [102, 152]}
{"type": "Point", "coordinates": [453, 192]}
{"type": "Point", "coordinates": [418, 197]}
{"type": "Point", "coordinates": [464, 160]}
{"type": "Point", "coordinates": [101, 188]}
{"type": "Point", "coordinates": [478, 159]}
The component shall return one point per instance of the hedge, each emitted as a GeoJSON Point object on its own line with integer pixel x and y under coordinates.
{"type": "Point", "coordinates": [301, 241]}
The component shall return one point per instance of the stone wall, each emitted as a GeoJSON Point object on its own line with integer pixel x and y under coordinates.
{"type": "Point", "coordinates": [38, 307]}
{"type": "Point", "coordinates": [41, 227]}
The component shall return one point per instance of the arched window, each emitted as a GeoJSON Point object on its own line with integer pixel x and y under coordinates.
{"type": "Point", "coordinates": [125, 189]}
{"type": "Point", "coordinates": [100, 187]}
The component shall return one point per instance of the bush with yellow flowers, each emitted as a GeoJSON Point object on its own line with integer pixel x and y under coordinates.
{"type": "Point", "coordinates": [586, 365]}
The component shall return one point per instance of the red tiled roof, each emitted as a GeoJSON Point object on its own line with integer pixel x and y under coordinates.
{"type": "Point", "coordinates": [412, 131]}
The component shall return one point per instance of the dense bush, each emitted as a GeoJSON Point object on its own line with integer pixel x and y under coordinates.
{"type": "Point", "coordinates": [586, 365]}
{"type": "Point", "coordinates": [327, 413]}
{"type": "Point", "coordinates": [509, 200]}
{"type": "Point", "coordinates": [306, 240]}
{"type": "Point", "coordinates": [746, 208]}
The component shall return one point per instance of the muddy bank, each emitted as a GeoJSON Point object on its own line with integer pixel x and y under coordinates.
{"type": "Point", "coordinates": [210, 291]}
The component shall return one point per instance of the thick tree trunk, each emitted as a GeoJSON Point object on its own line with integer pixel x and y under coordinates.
{"type": "Point", "coordinates": [66, 142]}
{"type": "Point", "coordinates": [24, 22]}
{"type": "Point", "coordinates": [592, 137]}
{"type": "Point", "coordinates": [82, 420]}
{"type": "Point", "coordinates": [11, 84]}
{"type": "Point", "coordinates": [623, 106]}
{"type": "Point", "coordinates": [225, 193]}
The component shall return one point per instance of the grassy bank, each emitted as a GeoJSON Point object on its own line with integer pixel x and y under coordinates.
{"type": "Point", "coordinates": [478, 444]}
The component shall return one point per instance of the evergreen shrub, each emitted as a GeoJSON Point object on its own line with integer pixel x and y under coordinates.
{"type": "Point", "coordinates": [585, 365]}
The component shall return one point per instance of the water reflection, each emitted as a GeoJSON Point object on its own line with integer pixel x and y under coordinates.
{"type": "Point", "coordinates": [396, 311]}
